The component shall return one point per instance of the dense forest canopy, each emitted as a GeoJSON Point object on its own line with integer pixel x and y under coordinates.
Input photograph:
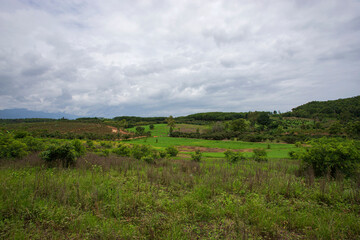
{"type": "Point", "coordinates": [347, 108]}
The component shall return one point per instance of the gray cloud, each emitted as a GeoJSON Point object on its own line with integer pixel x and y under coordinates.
{"type": "Point", "coordinates": [160, 58]}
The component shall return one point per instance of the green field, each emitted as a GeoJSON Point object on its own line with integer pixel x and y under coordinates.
{"type": "Point", "coordinates": [160, 140]}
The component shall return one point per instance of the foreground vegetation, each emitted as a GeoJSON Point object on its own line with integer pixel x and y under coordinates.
{"type": "Point", "coordinates": [117, 197]}
{"type": "Point", "coordinates": [204, 176]}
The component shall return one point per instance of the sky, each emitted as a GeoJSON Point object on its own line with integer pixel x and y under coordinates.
{"type": "Point", "coordinates": [160, 58]}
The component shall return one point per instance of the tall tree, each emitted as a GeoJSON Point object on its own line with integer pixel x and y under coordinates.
{"type": "Point", "coordinates": [171, 123]}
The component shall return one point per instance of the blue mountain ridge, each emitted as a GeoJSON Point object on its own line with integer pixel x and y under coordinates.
{"type": "Point", "coordinates": [17, 113]}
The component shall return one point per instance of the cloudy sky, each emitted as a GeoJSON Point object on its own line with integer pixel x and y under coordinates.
{"type": "Point", "coordinates": [160, 58]}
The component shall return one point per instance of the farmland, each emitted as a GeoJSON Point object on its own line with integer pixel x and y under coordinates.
{"type": "Point", "coordinates": [160, 140]}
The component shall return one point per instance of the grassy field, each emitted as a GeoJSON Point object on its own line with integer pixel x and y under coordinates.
{"type": "Point", "coordinates": [161, 140]}
{"type": "Point", "coordinates": [122, 198]}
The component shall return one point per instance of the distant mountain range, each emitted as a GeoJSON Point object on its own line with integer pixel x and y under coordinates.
{"type": "Point", "coordinates": [17, 113]}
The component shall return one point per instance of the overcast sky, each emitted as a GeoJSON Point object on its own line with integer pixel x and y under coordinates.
{"type": "Point", "coordinates": [159, 58]}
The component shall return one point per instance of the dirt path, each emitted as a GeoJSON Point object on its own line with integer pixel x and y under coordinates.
{"type": "Point", "coordinates": [205, 149]}
{"type": "Point", "coordinates": [115, 130]}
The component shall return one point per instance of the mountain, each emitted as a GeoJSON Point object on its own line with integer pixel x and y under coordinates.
{"type": "Point", "coordinates": [340, 108]}
{"type": "Point", "coordinates": [17, 113]}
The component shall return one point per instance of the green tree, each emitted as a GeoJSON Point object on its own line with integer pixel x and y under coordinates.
{"type": "Point", "coordinates": [140, 131]}
{"type": "Point", "coordinates": [353, 129]}
{"type": "Point", "coordinates": [172, 151]}
{"type": "Point", "coordinates": [263, 119]}
{"type": "Point", "coordinates": [171, 123]}
{"type": "Point", "coordinates": [260, 155]}
{"type": "Point", "coordinates": [238, 125]}
{"type": "Point", "coordinates": [331, 155]}
{"type": "Point", "coordinates": [217, 127]}
{"type": "Point", "coordinates": [335, 128]}
{"type": "Point", "coordinates": [233, 157]}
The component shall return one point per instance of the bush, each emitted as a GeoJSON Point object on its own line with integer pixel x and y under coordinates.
{"type": "Point", "coordinates": [12, 148]}
{"type": "Point", "coordinates": [106, 145]}
{"type": "Point", "coordinates": [66, 153]}
{"type": "Point", "coordinates": [90, 144]}
{"type": "Point", "coordinates": [21, 134]}
{"type": "Point", "coordinates": [122, 150]}
{"type": "Point", "coordinates": [139, 151]}
{"type": "Point", "coordinates": [331, 155]}
{"type": "Point", "coordinates": [172, 151]}
{"type": "Point", "coordinates": [233, 157]}
{"type": "Point", "coordinates": [140, 131]}
{"type": "Point", "coordinates": [163, 154]}
{"type": "Point", "coordinates": [149, 159]}
{"type": "Point", "coordinates": [196, 156]}
{"type": "Point", "coordinates": [105, 153]}
{"type": "Point", "coordinates": [260, 155]}
{"type": "Point", "coordinates": [293, 155]}
{"type": "Point", "coordinates": [33, 144]}
{"type": "Point", "coordinates": [79, 147]}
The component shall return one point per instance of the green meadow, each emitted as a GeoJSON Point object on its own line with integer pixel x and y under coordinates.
{"type": "Point", "coordinates": [160, 139]}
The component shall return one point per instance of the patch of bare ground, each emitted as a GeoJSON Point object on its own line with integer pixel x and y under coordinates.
{"type": "Point", "coordinates": [115, 130]}
{"type": "Point", "coordinates": [205, 149]}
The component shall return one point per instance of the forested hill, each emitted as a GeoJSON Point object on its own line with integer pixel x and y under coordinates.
{"type": "Point", "coordinates": [212, 116]}
{"type": "Point", "coordinates": [345, 109]}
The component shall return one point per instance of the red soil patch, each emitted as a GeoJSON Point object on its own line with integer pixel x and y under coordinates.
{"type": "Point", "coordinates": [115, 130]}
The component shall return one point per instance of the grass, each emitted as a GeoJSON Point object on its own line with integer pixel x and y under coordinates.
{"type": "Point", "coordinates": [274, 150]}
{"type": "Point", "coordinates": [109, 197]}
{"type": "Point", "coordinates": [122, 198]}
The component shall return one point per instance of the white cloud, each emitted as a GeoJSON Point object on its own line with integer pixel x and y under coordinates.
{"type": "Point", "coordinates": [159, 57]}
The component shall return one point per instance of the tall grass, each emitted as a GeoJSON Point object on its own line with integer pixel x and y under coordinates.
{"type": "Point", "coordinates": [123, 198]}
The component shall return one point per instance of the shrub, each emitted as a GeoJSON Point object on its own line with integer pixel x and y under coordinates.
{"type": "Point", "coordinates": [66, 153]}
{"type": "Point", "coordinates": [139, 151]}
{"type": "Point", "coordinates": [163, 154]}
{"type": "Point", "coordinates": [105, 153]}
{"type": "Point", "coordinates": [21, 134]}
{"type": "Point", "coordinates": [122, 150]}
{"type": "Point", "coordinates": [151, 127]}
{"type": "Point", "coordinates": [149, 159]}
{"type": "Point", "coordinates": [293, 155]}
{"type": "Point", "coordinates": [106, 145]}
{"type": "Point", "coordinates": [79, 147]}
{"type": "Point", "coordinates": [331, 156]}
{"type": "Point", "coordinates": [33, 144]}
{"type": "Point", "coordinates": [196, 156]}
{"type": "Point", "coordinates": [12, 148]}
{"type": "Point", "coordinates": [172, 151]}
{"type": "Point", "coordinates": [233, 157]}
{"type": "Point", "coordinates": [90, 144]}
{"type": "Point", "coordinates": [140, 130]}
{"type": "Point", "coordinates": [260, 155]}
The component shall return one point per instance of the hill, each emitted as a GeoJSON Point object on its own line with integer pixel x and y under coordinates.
{"type": "Point", "coordinates": [345, 109]}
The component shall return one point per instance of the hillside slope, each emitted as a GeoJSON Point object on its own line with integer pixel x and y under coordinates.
{"type": "Point", "coordinates": [347, 108]}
